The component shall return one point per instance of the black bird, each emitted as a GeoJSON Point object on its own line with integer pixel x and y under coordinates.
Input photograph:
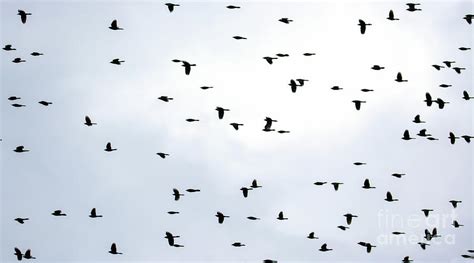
{"type": "Point", "coordinates": [176, 245]}
{"type": "Point", "coordinates": [389, 198]}
{"type": "Point", "coordinates": [359, 163]}
{"type": "Point", "coordinates": [268, 122]}
{"type": "Point", "coordinates": [455, 203]}
{"type": "Point", "coordinates": [269, 59]}
{"type": "Point", "coordinates": [437, 67]}
{"type": "Point", "coordinates": [467, 256]}
{"type": "Point", "coordinates": [398, 233]}
{"type": "Point", "coordinates": [426, 212]}
{"type": "Point", "coordinates": [466, 96]}
{"type": "Point", "coordinates": [253, 218]}
{"type": "Point", "coordinates": [363, 26]}
{"type": "Point", "coordinates": [36, 54]}
{"type": "Point", "coordinates": [18, 60]}
{"type": "Point", "coordinates": [45, 103]}
{"type": "Point", "coordinates": [285, 20]}
{"type": "Point", "coordinates": [18, 254]}
{"type": "Point", "coordinates": [8, 48]}
{"type": "Point", "coordinates": [467, 138]}
{"type": "Point", "coordinates": [343, 228]}
{"type": "Point", "coordinates": [58, 213]}
{"type": "Point", "coordinates": [108, 147]}
{"type": "Point", "coordinates": [176, 194]}
{"type": "Point", "coordinates": [391, 16]}
{"type": "Point", "coordinates": [281, 216]}
{"type": "Point", "coordinates": [114, 26]}
{"type": "Point", "coordinates": [238, 244]}
{"type": "Point", "coordinates": [458, 69]}
{"type": "Point", "coordinates": [23, 15]}
{"type": "Point", "coordinates": [349, 218]}
{"type": "Point", "coordinates": [336, 185]}
{"type": "Point", "coordinates": [456, 224]}
{"type": "Point", "coordinates": [406, 260]}
{"type": "Point", "coordinates": [220, 112]}
{"type": "Point", "coordinates": [89, 122]}
{"type": "Point", "coordinates": [283, 131]}
{"type": "Point", "coordinates": [367, 184]}
{"type": "Point", "coordinates": [21, 220]}
{"type": "Point", "coordinates": [417, 119]}
{"type": "Point", "coordinates": [281, 55]}
{"type": "Point", "coordinates": [301, 81]}
{"type": "Point", "coordinates": [191, 120]}
{"type": "Point", "coordinates": [20, 149]}
{"type": "Point", "coordinates": [28, 255]}
{"type": "Point", "coordinates": [423, 133]}
{"type": "Point", "coordinates": [449, 63]}
{"type": "Point", "coordinates": [187, 67]}
{"type": "Point", "coordinates": [452, 138]}
{"type": "Point", "coordinates": [170, 238]}
{"type": "Point", "coordinates": [192, 190]}
{"type": "Point", "coordinates": [468, 18]}
{"type": "Point", "coordinates": [245, 191]}
{"type": "Point", "coordinates": [400, 78]}
{"type": "Point", "coordinates": [358, 103]}
{"type": "Point", "coordinates": [428, 99]}
{"type": "Point", "coordinates": [377, 67]}
{"type": "Point", "coordinates": [412, 7]}
{"type": "Point", "coordinates": [171, 6]}
{"type": "Point", "coordinates": [441, 103]}
{"type": "Point", "coordinates": [94, 214]}
{"type": "Point", "coordinates": [397, 175]}
{"type": "Point", "coordinates": [255, 184]}
{"type": "Point", "coordinates": [117, 61]}
{"type": "Point", "coordinates": [206, 87]}
{"type": "Point", "coordinates": [293, 85]}
{"type": "Point", "coordinates": [311, 236]}
{"type": "Point", "coordinates": [324, 248]}
{"type": "Point", "coordinates": [232, 7]}
{"type": "Point", "coordinates": [308, 54]}
{"type": "Point", "coordinates": [366, 90]}
{"type": "Point", "coordinates": [239, 37]}
{"type": "Point", "coordinates": [173, 212]}
{"type": "Point", "coordinates": [406, 136]}
{"type": "Point", "coordinates": [165, 98]}
{"type": "Point", "coordinates": [464, 48]}
{"type": "Point", "coordinates": [236, 125]}
{"type": "Point", "coordinates": [368, 246]}
{"type": "Point", "coordinates": [113, 250]}
{"type": "Point", "coordinates": [220, 217]}
{"type": "Point", "coordinates": [320, 183]}
{"type": "Point", "coordinates": [445, 85]}
{"type": "Point", "coordinates": [423, 245]}
{"type": "Point", "coordinates": [162, 155]}
{"type": "Point", "coordinates": [336, 88]}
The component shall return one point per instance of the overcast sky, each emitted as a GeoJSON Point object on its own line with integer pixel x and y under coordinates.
{"type": "Point", "coordinates": [68, 169]}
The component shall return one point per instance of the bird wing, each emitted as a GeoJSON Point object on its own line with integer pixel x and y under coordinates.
{"type": "Point", "coordinates": [108, 146]}
{"type": "Point", "coordinates": [390, 14]}
{"type": "Point", "coordinates": [113, 248]}
{"type": "Point", "coordinates": [23, 17]}
{"type": "Point", "coordinates": [114, 24]}
{"type": "Point", "coordinates": [88, 120]}
{"type": "Point", "coordinates": [366, 183]}
{"type": "Point", "coordinates": [93, 213]}
{"type": "Point", "coordinates": [389, 196]}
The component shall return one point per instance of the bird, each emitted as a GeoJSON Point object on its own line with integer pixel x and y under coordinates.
{"type": "Point", "coordinates": [293, 85]}
{"type": "Point", "coordinates": [281, 216]}
{"type": "Point", "coordinates": [28, 255]}
{"type": "Point", "coordinates": [367, 184]}
{"type": "Point", "coordinates": [455, 203]}
{"type": "Point", "coordinates": [423, 245]}
{"type": "Point", "coordinates": [238, 244]}
{"type": "Point", "coordinates": [206, 87]}
{"type": "Point", "coordinates": [406, 260]}
{"type": "Point", "coordinates": [311, 236]}
{"type": "Point", "coordinates": [45, 103]}
{"type": "Point", "coordinates": [417, 119]}
{"type": "Point", "coordinates": [220, 217]}
{"type": "Point", "coordinates": [253, 218]}
{"type": "Point", "coordinates": [18, 60]}
{"type": "Point", "coordinates": [349, 218]}
{"type": "Point", "coordinates": [114, 26]}
{"type": "Point", "coordinates": [449, 63]}
{"type": "Point", "coordinates": [412, 7]}
{"type": "Point", "coordinates": [285, 20]}
{"type": "Point", "coordinates": [309, 54]}
{"type": "Point", "coordinates": [377, 67]}
{"type": "Point", "coordinates": [268, 122]}
{"type": "Point", "coordinates": [359, 163]}
{"type": "Point", "coordinates": [336, 88]}
{"type": "Point", "coordinates": [467, 256]}
{"type": "Point", "coordinates": [176, 194]}
{"type": "Point", "coordinates": [428, 99]}
{"type": "Point", "coordinates": [220, 112]}
{"type": "Point", "coordinates": [89, 122]}
{"type": "Point", "coordinates": [23, 15]}
{"type": "Point", "coordinates": [441, 103]}
{"type": "Point", "coordinates": [363, 25]}
{"type": "Point", "coordinates": [20, 149]}
{"type": "Point", "coordinates": [398, 233]}
{"type": "Point", "coordinates": [452, 137]}
{"type": "Point", "coordinates": [269, 59]}
{"type": "Point", "coordinates": [171, 6]}
{"type": "Point", "coordinates": [343, 228]}
{"type": "Point", "coordinates": [358, 103]}
{"type": "Point", "coordinates": [437, 67]}
{"type": "Point", "coordinates": [58, 213]}
{"type": "Point", "coordinates": [236, 125]}
{"type": "Point", "coordinates": [391, 16]}
{"type": "Point", "coordinates": [366, 90]}
{"type": "Point", "coordinates": [406, 136]}
{"type": "Point", "coordinates": [8, 48]}
{"type": "Point", "coordinates": [108, 147]}
{"type": "Point", "coordinates": [187, 67]}
{"type": "Point", "coordinates": [21, 220]}
{"type": "Point", "coordinates": [173, 212]}
{"type": "Point", "coordinates": [113, 250]}
{"type": "Point", "coordinates": [458, 69]}
{"type": "Point", "coordinates": [170, 237]}
{"type": "Point", "coordinates": [18, 254]}
{"type": "Point", "coordinates": [324, 248]}
{"type": "Point", "coordinates": [192, 190]}
{"type": "Point", "coordinates": [94, 214]}
{"type": "Point", "coordinates": [466, 96]}
{"type": "Point", "coordinates": [192, 120]}
{"type": "Point", "coordinates": [245, 191]}
{"type": "Point", "coordinates": [232, 7]}
{"type": "Point", "coordinates": [468, 18]}
{"type": "Point", "coordinates": [165, 98]}
{"type": "Point", "coordinates": [400, 78]}
{"type": "Point", "coordinates": [36, 54]}
{"type": "Point", "coordinates": [456, 224]}
{"type": "Point", "coordinates": [301, 81]}
{"type": "Point", "coordinates": [467, 138]}
{"type": "Point", "coordinates": [283, 131]}
{"type": "Point", "coordinates": [117, 61]}
{"type": "Point", "coordinates": [389, 198]}
{"type": "Point", "coordinates": [336, 185]}
{"type": "Point", "coordinates": [367, 245]}
{"type": "Point", "coordinates": [281, 55]}
{"type": "Point", "coordinates": [423, 133]}
{"type": "Point", "coordinates": [445, 85]}
{"type": "Point", "coordinates": [398, 175]}
{"type": "Point", "coordinates": [426, 212]}
{"type": "Point", "coordinates": [255, 184]}
{"type": "Point", "coordinates": [239, 37]}
{"type": "Point", "coordinates": [320, 183]}
{"type": "Point", "coordinates": [162, 155]}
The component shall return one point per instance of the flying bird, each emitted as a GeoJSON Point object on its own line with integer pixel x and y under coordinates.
{"type": "Point", "coordinates": [187, 67]}
{"type": "Point", "coordinates": [89, 122]}
{"type": "Point", "coordinates": [406, 136]}
{"type": "Point", "coordinates": [45, 103]}
{"type": "Point", "coordinates": [238, 244]}
{"type": "Point", "coordinates": [253, 218]}
{"type": "Point", "coordinates": [417, 119]}
{"type": "Point", "coordinates": [94, 214]}
{"type": "Point", "coordinates": [456, 224]}
{"type": "Point", "coordinates": [389, 198]}
{"type": "Point", "coordinates": [236, 125]}
{"type": "Point", "coordinates": [455, 203]}
{"type": "Point", "coordinates": [165, 98]}
{"type": "Point", "coordinates": [18, 60]}
{"type": "Point", "coordinates": [336, 185]}
{"type": "Point", "coordinates": [437, 67]}
{"type": "Point", "coordinates": [312, 236]}
{"type": "Point", "coordinates": [412, 7]}
{"type": "Point", "coordinates": [452, 138]}
{"type": "Point", "coordinates": [367, 185]}
{"type": "Point", "coordinates": [117, 61]}
{"type": "Point", "coordinates": [171, 6]}
{"type": "Point", "coordinates": [114, 26]}
{"type": "Point", "coordinates": [309, 54]}
{"type": "Point", "coordinates": [281, 216]}
{"type": "Point", "coordinates": [466, 96]}
{"type": "Point", "coordinates": [113, 250]}
{"type": "Point", "coordinates": [467, 138]}
{"type": "Point", "coordinates": [220, 217]}
{"type": "Point", "coordinates": [192, 190]}
{"type": "Point", "coordinates": [349, 218]}
{"type": "Point", "coordinates": [367, 245]}
{"type": "Point", "coordinates": [426, 212]}
{"type": "Point", "coordinates": [458, 69]}
{"type": "Point", "coordinates": [20, 149]}
{"type": "Point", "coordinates": [400, 78]}
{"type": "Point", "coordinates": [36, 54]}
{"type": "Point", "coordinates": [269, 59]}
{"type": "Point", "coordinates": [245, 191]}
{"type": "Point", "coordinates": [108, 147]}
{"type": "Point", "coordinates": [363, 26]}
{"type": "Point", "coordinates": [162, 155]}
{"type": "Point", "coordinates": [232, 7]}
{"type": "Point", "coordinates": [468, 18]}
{"type": "Point", "coordinates": [391, 16]}
{"type": "Point", "coordinates": [21, 220]}
{"type": "Point", "coordinates": [170, 237]}
{"type": "Point", "coordinates": [220, 112]}
{"type": "Point", "coordinates": [377, 67]}
{"type": "Point", "coordinates": [449, 63]}
{"type": "Point", "coordinates": [255, 184]}
{"type": "Point", "coordinates": [28, 255]}
{"type": "Point", "coordinates": [58, 213]}
{"type": "Point", "coordinates": [18, 254]}
{"type": "Point", "coordinates": [176, 194]}
{"type": "Point", "coordinates": [23, 15]}
{"type": "Point", "coordinates": [8, 48]}
{"type": "Point", "coordinates": [192, 120]}
{"type": "Point", "coordinates": [324, 248]}
{"type": "Point", "coordinates": [358, 103]}
{"type": "Point", "coordinates": [239, 37]}
{"type": "Point", "coordinates": [285, 20]}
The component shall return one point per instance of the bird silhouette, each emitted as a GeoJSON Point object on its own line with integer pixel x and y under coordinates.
{"type": "Point", "coordinates": [359, 163]}
{"type": "Point", "coordinates": [170, 237]}
{"type": "Point", "coordinates": [253, 218]}
{"type": "Point", "coordinates": [18, 254]}
{"type": "Point", "coordinates": [255, 184]}
{"type": "Point", "coordinates": [89, 122]}
{"type": "Point", "coordinates": [377, 67]}
{"type": "Point", "coordinates": [400, 78]}
{"type": "Point", "coordinates": [449, 63]}
{"type": "Point", "coordinates": [423, 245]}
{"type": "Point", "coordinates": [343, 228]}
{"type": "Point", "coordinates": [94, 214]}
{"type": "Point", "coordinates": [336, 185]}
{"type": "Point", "coordinates": [309, 54]}
{"type": "Point", "coordinates": [412, 7]}
{"type": "Point", "coordinates": [220, 112]}
{"type": "Point", "coordinates": [114, 26]}
{"type": "Point", "coordinates": [58, 213]}
{"type": "Point", "coordinates": [349, 218]}
{"type": "Point", "coordinates": [245, 191]}
{"type": "Point", "coordinates": [23, 15]}
{"type": "Point", "coordinates": [368, 246]}
{"type": "Point", "coordinates": [285, 20]}
{"type": "Point", "coordinates": [238, 244]}
{"type": "Point", "coordinates": [162, 155]}
{"type": "Point", "coordinates": [293, 85]}
{"type": "Point", "coordinates": [117, 61]}
{"type": "Point", "coordinates": [239, 37]}
{"type": "Point", "coordinates": [192, 120]}
{"type": "Point", "coordinates": [423, 133]}
{"type": "Point", "coordinates": [398, 233]}
{"type": "Point", "coordinates": [468, 18]}
{"type": "Point", "coordinates": [193, 190]}
{"type": "Point", "coordinates": [108, 147]}
{"type": "Point", "coordinates": [320, 183]}
{"type": "Point", "coordinates": [336, 88]}
{"type": "Point", "coordinates": [269, 59]}
{"type": "Point", "coordinates": [8, 48]}
{"type": "Point", "coordinates": [441, 103]}
{"type": "Point", "coordinates": [232, 7]}
{"type": "Point", "coordinates": [173, 212]}
{"type": "Point", "coordinates": [391, 16]}
{"type": "Point", "coordinates": [406, 136]}
{"type": "Point", "coordinates": [36, 54]}
{"type": "Point", "coordinates": [458, 69]}
{"type": "Point", "coordinates": [445, 85]}
{"type": "Point", "coordinates": [417, 119]}
{"type": "Point", "coordinates": [236, 125]}
{"type": "Point", "coordinates": [268, 122]}
{"type": "Point", "coordinates": [363, 26]}
{"type": "Point", "coordinates": [398, 175]}
{"type": "Point", "coordinates": [389, 198]}
{"type": "Point", "coordinates": [455, 203]}
{"type": "Point", "coordinates": [358, 103]}
{"type": "Point", "coordinates": [426, 212]}
{"type": "Point", "coordinates": [311, 236]}
{"type": "Point", "coordinates": [367, 185]}
{"type": "Point", "coordinates": [18, 60]}
{"type": "Point", "coordinates": [28, 255]}
{"type": "Point", "coordinates": [21, 220]}
{"type": "Point", "coordinates": [165, 98]}
{"type": "Point", "coordinates": [367, 90]}
{"type": "Point", "coordinates": [20, 149]}
{"type": "Point", "coordinates": [452, 138]}
{"type": "Point", "coordinates": [282, 55]}
{"type": "Point", "coordinates": [428, 99]}
{"type": "Point", "coordinates": [113, 250]}
{"type": "Point", "coordinates": [171, 6]}
{"type": "Point", "coordinates": [187, 67]}
{"type": "Point", "coordinates": [438, 67]}
{"type": "Point", "coordinates": [466, 96]}
{"type": "Point", "coordinates": [406, 260]}
{"type": "Point", "coordinates": [281, 216]}
{"type": "Point", "coordinates": [456, 224]}
{"type": "Point", "coordinates": [220, 217]}
{"type": "Point", "coordinates": [45, 103]}
{"type": "Point", "coordinates": [176, 194]}
{"type": "Point", "coordinates": [324, 248]}
{"type": "Point", "coordinates": [467, 138]}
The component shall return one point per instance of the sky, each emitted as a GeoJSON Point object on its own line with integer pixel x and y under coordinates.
{"type": "Point", "coordinates": [68, 169]}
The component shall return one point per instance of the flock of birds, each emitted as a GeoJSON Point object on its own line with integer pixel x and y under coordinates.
{"type": "Point", "coordinates": [268, 127]}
